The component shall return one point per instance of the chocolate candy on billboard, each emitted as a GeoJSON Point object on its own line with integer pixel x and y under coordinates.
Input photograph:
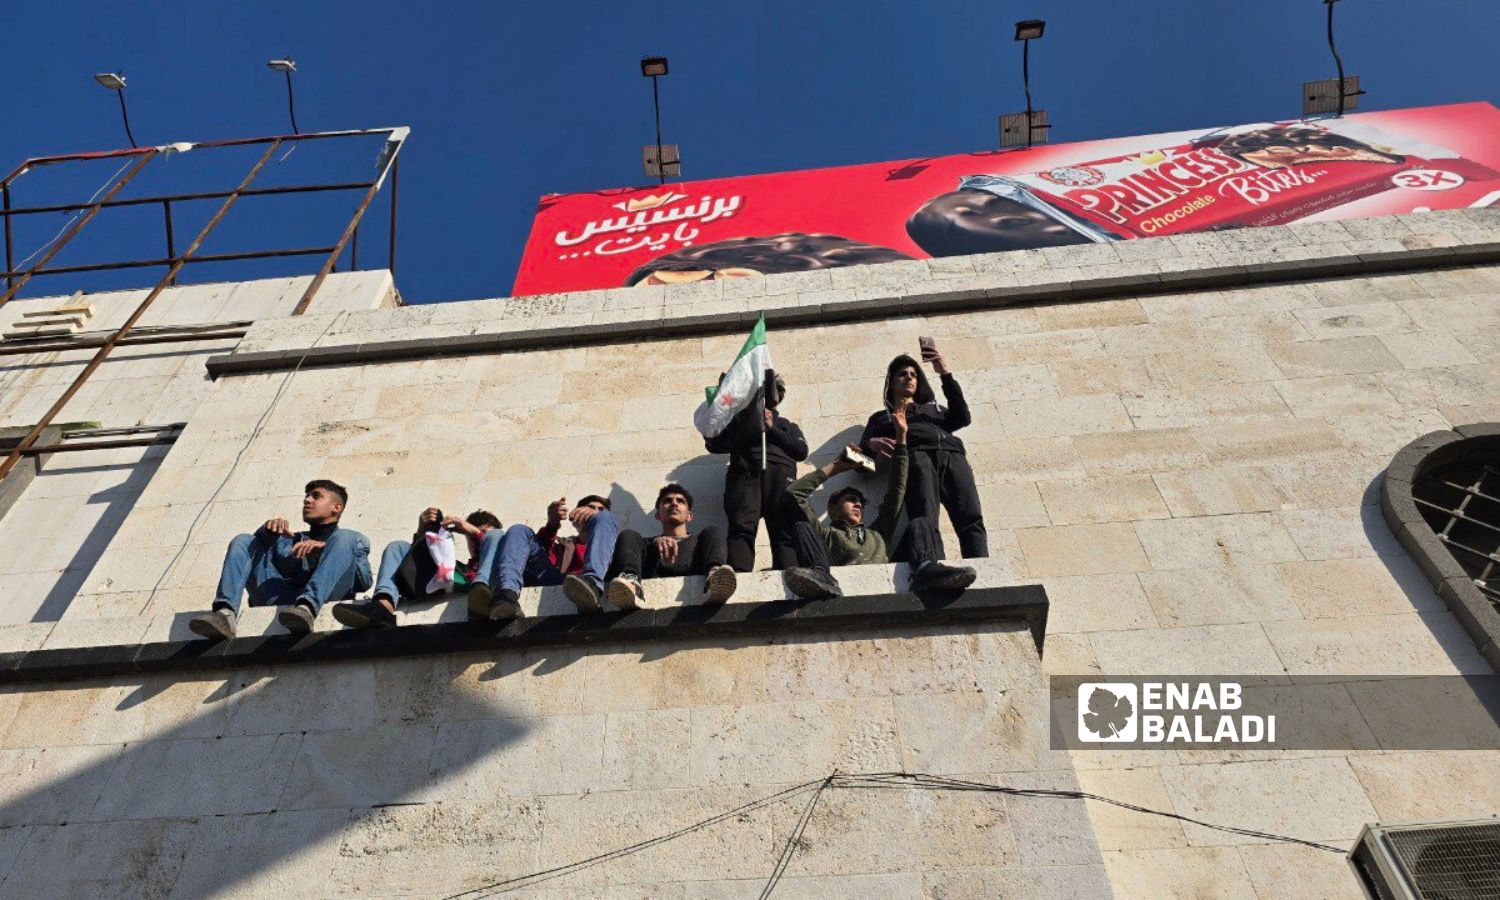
{"type": "Point", "coordinates": [769, 255]}
{"type": "Point", "coordinates": [1265, 174]}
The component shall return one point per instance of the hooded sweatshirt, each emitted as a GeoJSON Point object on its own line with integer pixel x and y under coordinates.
{"type": "Point", "coordinates": [931, 424]}
{"type": "Point", "coordinates": [785, 444]}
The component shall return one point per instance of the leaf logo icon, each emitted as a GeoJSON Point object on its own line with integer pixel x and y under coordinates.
{"type": "Point", "coordinates": [1108, 714]}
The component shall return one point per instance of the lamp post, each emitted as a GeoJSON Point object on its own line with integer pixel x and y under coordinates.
{"type": "Point", "coordinates": [1026, 32]}
{"type": "Point", "coordinates": [1032, 120]}
{"type": "Point", "coordinates": [115, 81]}
{"type": "Point", "coordinates": [654, 67]}
{"type": "Point", "coordinates": [287, 66]}
{"type": "Point", "coordinates": [1316, 94]}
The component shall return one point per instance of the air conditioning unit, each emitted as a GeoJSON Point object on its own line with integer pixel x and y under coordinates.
{"type": "Point", "coordinates": [1429, 861]}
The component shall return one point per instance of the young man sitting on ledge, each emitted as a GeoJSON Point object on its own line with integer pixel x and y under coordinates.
{"type": "Point", "coordinates": [424, 567]}
{"type": "Point", "coordinates": [519, 557]}
{"type": "Point", "coordinates": [675, 552]}
{"type": "Point", "coordinates": [297, 571]}
{"type": "Point", "coordinates": [847, 541]}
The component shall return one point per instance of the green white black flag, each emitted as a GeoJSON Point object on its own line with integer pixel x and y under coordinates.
{"type": "Point", "coordinates": [737, 389]}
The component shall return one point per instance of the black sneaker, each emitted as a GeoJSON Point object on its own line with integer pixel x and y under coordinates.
{"type": "Point", "coordinates": [584, 594]}
{"type": "Point", "coordinates": [811, 584]}
{"type": "Point", "coordinates": [480, 601]}
{"type": "Point", "coordinates": [297, 618]}
{"type": "Point", "coordinates": [936, 576]}
{"type": "Point", "coordinates": [625, 592]}
{"type": "Point", "coordinates": [217, 625]}
{"type": "Point", "coordinates": [506, 606]}
{"type": "Point", "coordinates": [368, 614]}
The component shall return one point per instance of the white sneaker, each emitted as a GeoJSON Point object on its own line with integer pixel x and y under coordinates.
{"type": "Point", "coordinates": [721, 584]}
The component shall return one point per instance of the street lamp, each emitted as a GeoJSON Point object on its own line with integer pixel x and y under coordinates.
{"type": "Point", "coordinates": [287, 66]}
{"type": "Point", "coordinates": [115, 81]}
{"type": "Point", "coordinates": [666, 160]}
{"type": "Point", "coordinates": [1332, 94]}
{"type": "Point", "coordinates": [1033, 120]}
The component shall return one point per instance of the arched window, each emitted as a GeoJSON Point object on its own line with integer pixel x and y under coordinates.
{"type": "Point", "coordinates": [1441, 497]}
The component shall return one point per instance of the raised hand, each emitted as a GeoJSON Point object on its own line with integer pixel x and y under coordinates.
{"type": "Point", "coordinates": [429, 517]}
{"type": "Point", "coordinates": [934, 357]}
{"type": "Point", "coordinates": [556, 510]}
{"type": "Point", "coordinates": [898, 418]}
{"type": "Point", "coordinates": [883, 446]}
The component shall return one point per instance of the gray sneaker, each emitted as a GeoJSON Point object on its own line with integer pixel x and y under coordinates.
{"type": "Point", "coordinates": [583, 593]}
{"type": "Point", "coordinates": [721, 584]}
{"type": "Point", "coordinates": [811, 584]}
{"type": "Point", "coordinates": [297, 618]}
{"type": "Point", "coordinates": [505, 605]}
{"type": "Point", "coordinates": [625, 592]}
{"type": "Point", "coordinates": [217, 625]}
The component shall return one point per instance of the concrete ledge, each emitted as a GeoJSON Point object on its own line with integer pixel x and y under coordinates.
{"type": "Point", "coordinates": [1473, 610]}
{"type": "Point", "coordinates": [928, 298]}
{"type": "Point", "coordinates": [1025, 604]}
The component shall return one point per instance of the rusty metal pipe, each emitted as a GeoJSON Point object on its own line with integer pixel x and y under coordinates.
{"type": "Point", "coordinates": [73, 229]}
{"type": "Point", "coordinates": [104, 350]}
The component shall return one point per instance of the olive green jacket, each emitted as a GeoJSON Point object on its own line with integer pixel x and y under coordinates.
{"type": "Point", "coordinates": [857, 545]}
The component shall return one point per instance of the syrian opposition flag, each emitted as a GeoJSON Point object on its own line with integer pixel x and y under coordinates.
{"type": "Point", "coordinates": [738, 387]}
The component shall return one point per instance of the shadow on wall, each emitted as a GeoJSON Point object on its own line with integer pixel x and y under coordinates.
{"type": "Point", "coordinates": [118, 501]}
{"type": "Point", "coordinates": [259, 779]}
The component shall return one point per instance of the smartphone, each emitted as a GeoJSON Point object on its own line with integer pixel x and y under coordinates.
{"type": "Point", "coordinates": [860, 460]}
{"type": "Point", "coordinates": [927, 344]}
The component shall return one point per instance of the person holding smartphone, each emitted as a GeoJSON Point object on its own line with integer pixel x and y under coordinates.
{"type": "Point", "coordinates": [940, 472]}
{"type": "Point", "coordinates": [847, 541]}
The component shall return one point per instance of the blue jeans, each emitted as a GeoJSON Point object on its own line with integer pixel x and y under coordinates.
{"type": "Point", "coordinates": [513, 559]}
{"type": "Point", "coordinates": [391, 559]}
{"type": "Point", "coordinates": [263, 564]}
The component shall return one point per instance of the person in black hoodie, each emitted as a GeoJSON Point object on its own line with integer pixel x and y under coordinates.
{"type": "Point", "coordinates": [939, 469]}
{"type": "Point", "coordinates": [749, 495]}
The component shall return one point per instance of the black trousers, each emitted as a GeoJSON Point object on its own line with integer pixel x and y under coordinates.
{"type": "Point", "coordinates": [747, 498]}
{"type": "Point", "coordinates": [917, 543]}
{"type": "Point", "coordinates": [942, 476]}
{"type": "Point", "coordinates": [696, 554]}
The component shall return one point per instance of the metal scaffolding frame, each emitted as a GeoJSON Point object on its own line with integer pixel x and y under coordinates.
{"type": "Point", "coordinates": [104, 343]}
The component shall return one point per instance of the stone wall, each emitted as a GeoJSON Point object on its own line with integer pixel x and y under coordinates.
{"type": "Point", "coordinates": [50, 540]}
{"type": "Point", "coordinates": [1180, 438]}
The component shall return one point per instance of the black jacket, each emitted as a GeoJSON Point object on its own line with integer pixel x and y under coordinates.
{"type": "Point", "coordinates": [930, 424]}
{"type": "Point", "coordinates": [741, 440]}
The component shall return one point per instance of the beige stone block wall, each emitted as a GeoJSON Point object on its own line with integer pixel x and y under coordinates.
{"type": "Point", "coordinates": [1190, 475]}
{"type": "Point", "coordinates": [51, 540]}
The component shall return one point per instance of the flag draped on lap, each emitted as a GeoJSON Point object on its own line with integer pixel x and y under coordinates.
{"type": "Point", "coordinates": [738, 387]}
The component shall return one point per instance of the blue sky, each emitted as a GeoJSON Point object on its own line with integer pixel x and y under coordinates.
{"type": "Point", "coordinates": [511, 101]}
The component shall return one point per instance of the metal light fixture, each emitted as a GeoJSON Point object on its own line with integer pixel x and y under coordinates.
{"type": "Point", "coordinates": [1020, 129]}
{"type": "Point", "coordinates": [1030, 29]}
{"type": "Point", "coordinates": [665, 160]}
{"type": "Point", "coordinates": [287, 66]}
{"type": "Point", "coordinates": [1331, 95]}
{"type": "Point", "coordinates": [115, 81]}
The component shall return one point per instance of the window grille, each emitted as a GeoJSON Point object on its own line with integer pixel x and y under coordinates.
{"type": "Point", "coordinates": [1461, 501]}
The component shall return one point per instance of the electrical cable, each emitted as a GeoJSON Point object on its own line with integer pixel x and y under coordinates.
{"type": "Point", "coordinates": [76, 213]}
{"type": "Point", "coordinates": [254, 433]}
{"type": "Point", "coordinates": [794, 838]}
{"type": "Point", "coordinates": [866, 781]}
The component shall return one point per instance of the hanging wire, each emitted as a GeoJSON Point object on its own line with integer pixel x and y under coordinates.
{"type": "Point", "coordinates": [863, 781]}
{"type": "Point", "coordinates": [76, 213]}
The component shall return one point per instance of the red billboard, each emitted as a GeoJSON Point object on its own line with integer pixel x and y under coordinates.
{"type": "Point", "coordinates": [1269, 173]}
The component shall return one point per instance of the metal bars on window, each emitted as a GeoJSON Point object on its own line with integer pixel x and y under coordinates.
{"type": "Point", "coordinates": [1461, 502]}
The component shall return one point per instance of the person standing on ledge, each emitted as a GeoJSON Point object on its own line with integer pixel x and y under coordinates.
{"type": "Point", "coordinates": [297, 571]}
{"type": "Point", "coordinates": [423, 567]}
{"type": "Point", "coordinates": [753, 488]}
{"type": "Point", "coordinates": [847, 541]}
{"type": "Point", "coordinates": [675, 552]}
{"type": "Point", "coordinates": [940, 470]}
{"type": "Point", "coordinates": [519, 557]}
